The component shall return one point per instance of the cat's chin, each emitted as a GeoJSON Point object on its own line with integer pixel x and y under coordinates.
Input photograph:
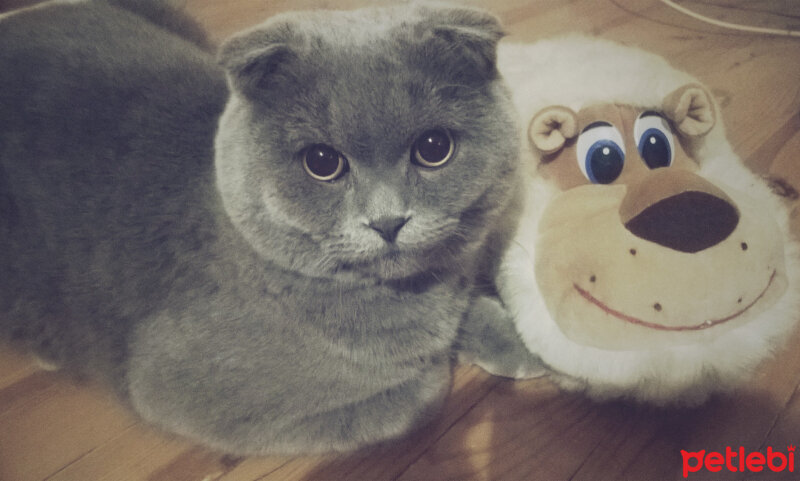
{"type": "Point", "coordinates": [391, 266]}
{"type": "Point", "coordinates": [396, 265]}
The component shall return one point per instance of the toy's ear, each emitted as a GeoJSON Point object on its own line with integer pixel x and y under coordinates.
{"type": "Point", "coordinates": [258, 59]}
{"type": "Point", "coordinates": [691, 109]}
{"type": "Point", "coordinates": [551, 127]}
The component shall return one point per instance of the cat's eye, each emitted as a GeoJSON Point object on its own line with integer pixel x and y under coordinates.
{"type": "Point", "coordinates": [654, 140]}
{"type": "Point", "coordinates": [601, 153]}
{"type": "Point", "coordinates": [324, 163]}
{"type": "Point", "coordinates": [433, 148]}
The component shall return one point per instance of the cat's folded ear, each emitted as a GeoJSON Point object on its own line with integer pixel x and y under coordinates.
{"type": "Point", "coordinates": [459, 41]}
{"type": "Point", "coordinates": [258, 58]}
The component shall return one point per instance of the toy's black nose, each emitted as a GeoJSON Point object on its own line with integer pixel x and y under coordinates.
{"type": "Point", "coordinates": [388, 227]}
{"type": "Point", "coordinates": [688, 222]}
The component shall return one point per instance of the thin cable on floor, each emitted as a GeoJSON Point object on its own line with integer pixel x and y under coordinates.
{"type": "Point", "coordinates": [734, 26]}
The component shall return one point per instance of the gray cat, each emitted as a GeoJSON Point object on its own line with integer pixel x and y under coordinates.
{"type": "Point", "coordinates": [274, 255]}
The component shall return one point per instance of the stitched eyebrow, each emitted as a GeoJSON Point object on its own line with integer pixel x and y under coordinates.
{"type": "Point", "coordinates": [650, 113]}
{"type": "Point", "coordinates": [594, 125]}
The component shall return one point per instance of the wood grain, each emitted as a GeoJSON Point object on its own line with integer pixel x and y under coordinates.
{"type": "Point", "coordinates": [54, 428]}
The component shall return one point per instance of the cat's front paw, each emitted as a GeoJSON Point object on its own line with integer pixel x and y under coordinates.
{"type": "Point", "coordinates": [489, 339]}
{"type": "Point", "coordinates": [506, 367]}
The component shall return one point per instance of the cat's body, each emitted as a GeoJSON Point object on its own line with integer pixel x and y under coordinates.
{"type": "Point", "coordinates": [238, 300]}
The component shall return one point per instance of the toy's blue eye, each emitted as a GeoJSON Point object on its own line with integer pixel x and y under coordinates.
{"type": "Point", "coordinates": [601, 153]}
{"type": "Point", "coordinates": [654, 140]}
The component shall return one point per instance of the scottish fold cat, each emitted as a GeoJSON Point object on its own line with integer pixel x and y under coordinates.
{"type": "Point", "coordinates": [271, 251]}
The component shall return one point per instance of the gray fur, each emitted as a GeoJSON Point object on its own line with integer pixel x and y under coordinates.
{"type": "Point", "coordinates": [167, 15]}
{"type": "Point", "coordinates": [488, 337]}
{"type": "Point", "coordinates": [232, 298]}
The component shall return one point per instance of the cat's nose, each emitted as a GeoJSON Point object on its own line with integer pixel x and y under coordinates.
{"type": "Point", "coordinates": [388, 227]}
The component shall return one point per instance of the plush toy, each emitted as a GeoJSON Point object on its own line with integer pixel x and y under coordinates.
{"type": "Point", "coordinates": [649, 263]}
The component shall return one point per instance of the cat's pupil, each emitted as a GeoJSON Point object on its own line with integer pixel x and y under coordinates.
{"type": "Point", "coordinates": [433, 148]}
{"type": "Point", "coordinates": [324, 163]}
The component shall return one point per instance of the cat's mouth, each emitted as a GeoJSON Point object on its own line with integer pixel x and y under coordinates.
{"type": "Point", "coordinates": [396, 262]}
{"type": "Point", "coordinates": [392, 265]}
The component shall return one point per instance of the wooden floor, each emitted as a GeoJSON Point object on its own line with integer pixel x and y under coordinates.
{"type": "Point", "coordinates": [491, 429]}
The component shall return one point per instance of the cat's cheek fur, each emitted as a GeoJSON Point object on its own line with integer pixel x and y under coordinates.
{"type": "Point", "coordinates": [255, 208]}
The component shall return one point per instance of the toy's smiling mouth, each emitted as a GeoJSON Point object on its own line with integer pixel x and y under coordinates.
{"type": "Point", "coordinates": [651, 325]}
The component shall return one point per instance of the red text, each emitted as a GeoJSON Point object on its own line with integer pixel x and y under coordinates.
{"type": "Point", "coordinates": [738, 461]}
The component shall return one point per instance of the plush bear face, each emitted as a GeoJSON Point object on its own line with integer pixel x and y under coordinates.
{"type": "Point", "coordinates": [640, 251]}
{"type": "Point", "coordinates": [649, 262]}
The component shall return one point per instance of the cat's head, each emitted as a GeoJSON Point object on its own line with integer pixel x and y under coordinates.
{"type": "Point", "coordinates": [376, 143]}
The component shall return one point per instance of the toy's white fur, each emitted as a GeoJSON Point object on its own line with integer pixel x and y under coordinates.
{"type": "Point", "coordinates": [576, 72]}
